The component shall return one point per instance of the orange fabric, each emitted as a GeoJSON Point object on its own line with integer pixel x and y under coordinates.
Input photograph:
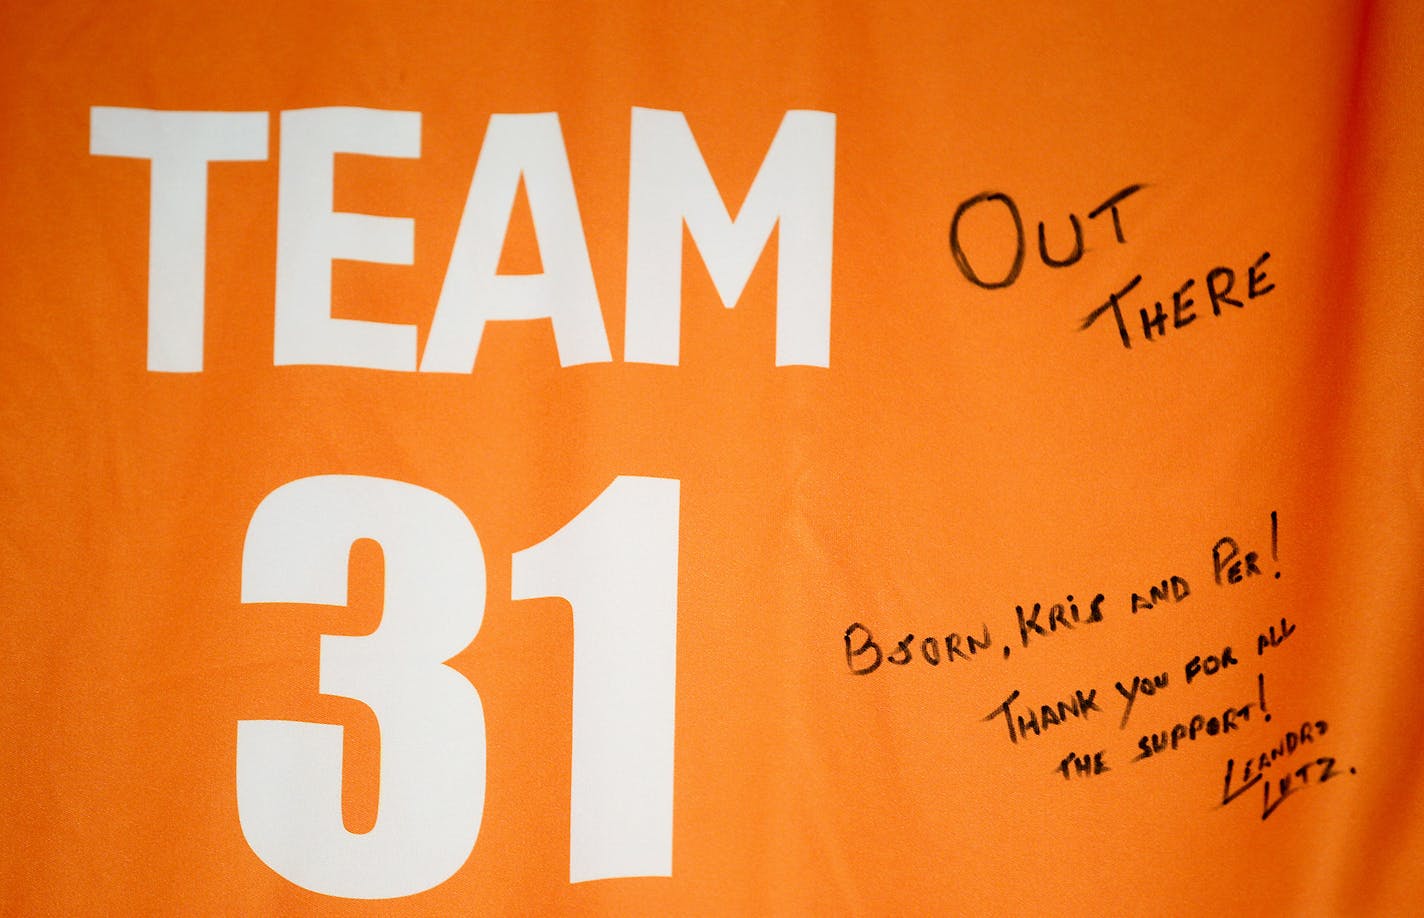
{"type": "Point", "coordinates": [967, 450]}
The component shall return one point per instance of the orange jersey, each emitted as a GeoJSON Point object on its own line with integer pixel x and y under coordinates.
{"type": "Point", "coordinates": [736, 458]}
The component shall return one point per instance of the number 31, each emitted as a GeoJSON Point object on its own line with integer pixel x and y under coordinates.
{"type": "Point", "coordinates": [616, 564]}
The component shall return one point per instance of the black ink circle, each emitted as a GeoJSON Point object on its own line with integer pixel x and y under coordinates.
{"type": "Point", "coordinates": [962, 260]}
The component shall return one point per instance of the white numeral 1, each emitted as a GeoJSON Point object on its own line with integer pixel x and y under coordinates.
{"type": "Point", "coordinates": [616, 563]}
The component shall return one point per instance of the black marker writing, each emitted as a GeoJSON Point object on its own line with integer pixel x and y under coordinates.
{"type": "Point", "coordinates": [1059, 615]}
{"type": "Point", "coordinates": [1198, 726]}
{"type": "Point", "coordinates": [1083, 765]}
{"type": "Point", "coordinates": [1248, 772]}
{"type": "Point", "coordinates": [1219, 282]}
{"type": "Point", "coordinates": [1297, 781]}
{"type": "Point", "coordinates": [1174, 590]}
{"type": "Point", "coordinates": [1036, 720]}
{"type": "Point", "coordinates": [1269, 638]}
{"type": "Point", "coordinates": [864, 655]}
{"type": "Point", "coordinates": [1148, 686]}
{"type": "Point", "coordinates": [1209, 665]}
{"type": "Point", "coordinates": [1074, 255]}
